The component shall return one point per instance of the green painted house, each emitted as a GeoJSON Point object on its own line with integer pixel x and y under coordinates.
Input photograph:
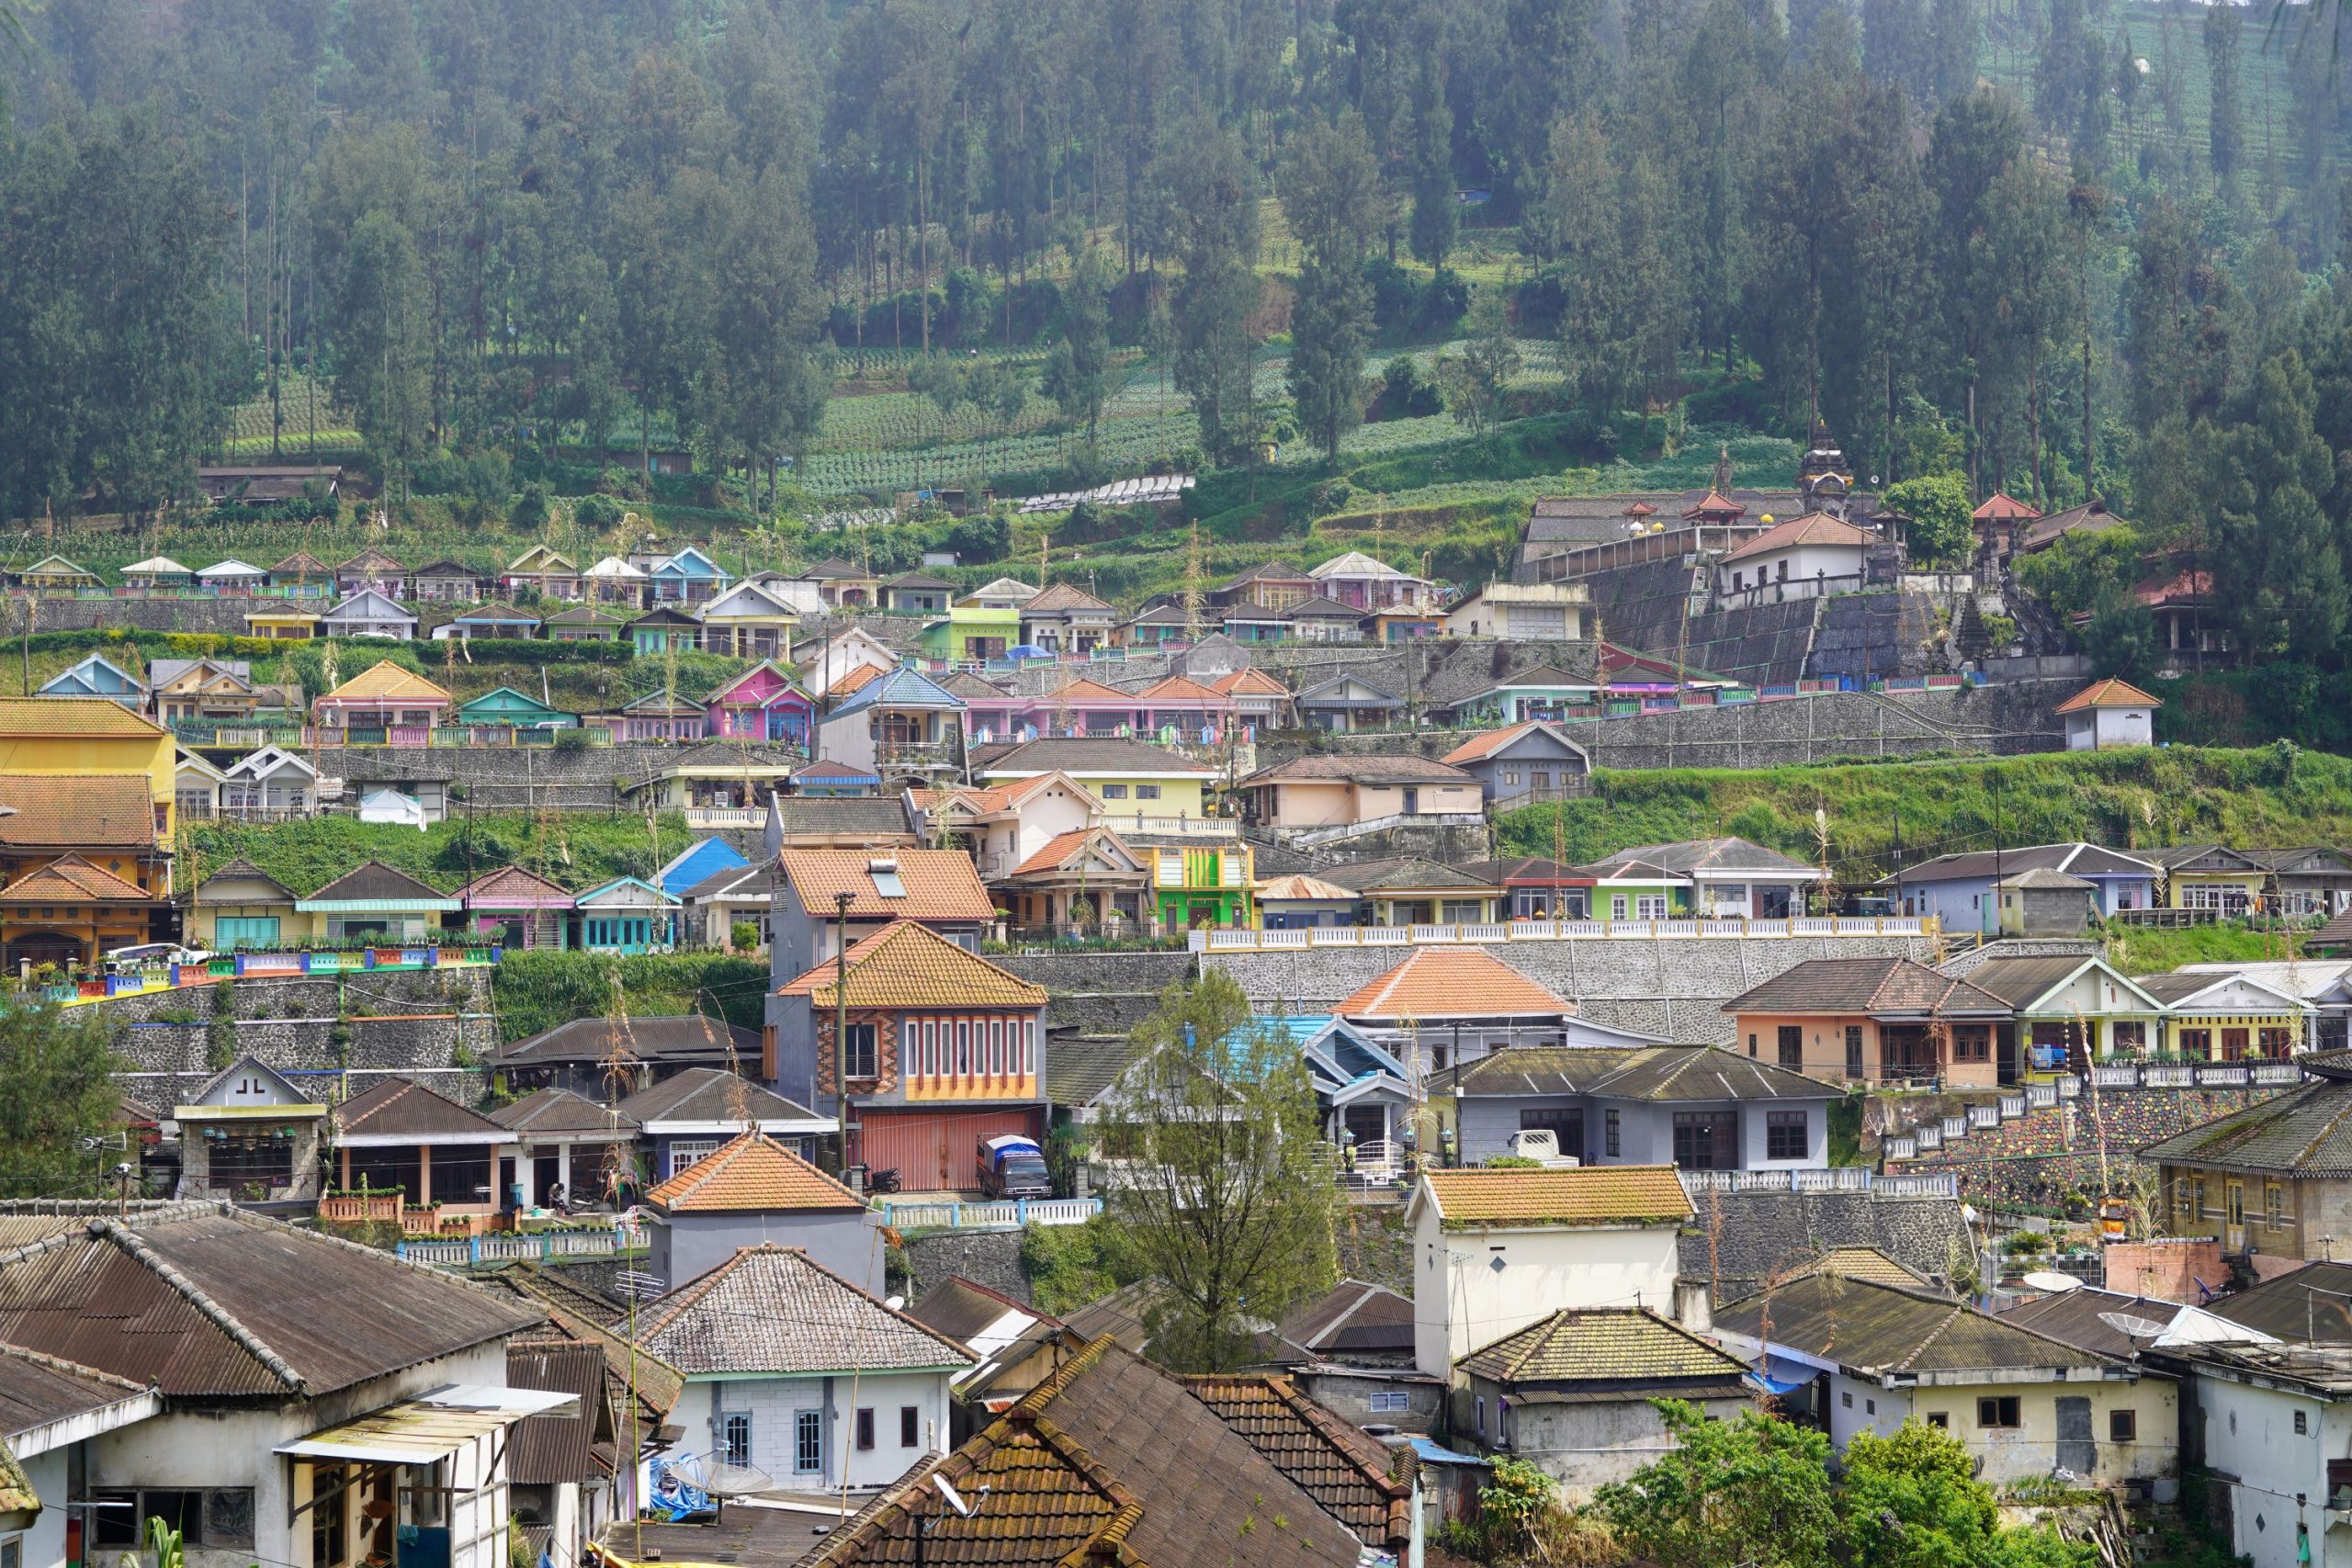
{"type": "Point", "coordinates": [972, 631]}
{"type": "Point", "coordinates": [506, 707]}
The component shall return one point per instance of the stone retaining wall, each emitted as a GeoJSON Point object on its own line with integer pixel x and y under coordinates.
{"type": "Point", "coordinates": [1100, 993]}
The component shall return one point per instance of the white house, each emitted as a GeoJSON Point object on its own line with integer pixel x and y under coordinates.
{"type": "Point", "coordinates": [2109, 714]}
{"type": "Point", "coordinates": [2272, 1422]}
{"type": "Point", "coordinates": [368, 613]}
{"type": "Point", "coordinates": [56, 1408]}
{"type": "Point", "coordinates": [793, 1372]}
{"type": "Point", "coordinates": [1494, 1250]}
{"type": "Point", "coordinates": [391, 805]}
{"type": "Point", "coordinates": [271, 780]}
{"type": "Point", "coordinates": [322, 1400]}
{"type": "Point", "coordinates": [1525, 611]}
{"type": "Point", "coordinates": [1806, 558]}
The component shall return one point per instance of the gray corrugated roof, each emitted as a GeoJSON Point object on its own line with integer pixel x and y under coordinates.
{"type": "Point", "coordinates": [712, 1095]}
{"type": "Point", "coordinates": [1881, 1328]}
{"type": "Point", "coordinates": [2019, 982]}
{"type": "Point", "coordinates": [2080, 1318]}
{"type": "Point", "coordinates": [550, 1110]}
{"type": "Point", "coordinates": [2313, 1305]}
{"type": "Point", "coordinates": [1633, 1072]}
{"type": "Point", "coordinates": [771, 1309]}
{"type": "Point", "coordinates": [2074, 858]}
{"type": "Point", "coordinates": [1709, 854]}
{"type": "Point", "coordinates": [688, 1037]}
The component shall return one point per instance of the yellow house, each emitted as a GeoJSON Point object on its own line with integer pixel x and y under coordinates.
{"type": "Point", "coordinates": [2209, 877]}
{"type": "Point", "coordinates": [2228, 1018]}
{"type": "Point", "coordinates": [382, 696]}
{"type": "Point", "coordinates": [76, 737]}
{"type": "Point", "coordinates": [239, 905]}
{"type": "Point", "coordinates": [279, 623]}
{"type": "Point", "coordinates": [1131, 779]}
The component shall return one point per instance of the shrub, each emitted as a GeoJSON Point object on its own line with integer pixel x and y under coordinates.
{"type": "Point", "coordinates": [743, 935]}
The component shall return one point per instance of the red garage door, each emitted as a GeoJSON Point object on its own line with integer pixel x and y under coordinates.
{"type": "Point", "coordinates": [933, 1150]}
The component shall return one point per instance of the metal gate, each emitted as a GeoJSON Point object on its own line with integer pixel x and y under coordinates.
{"type": "Point", "coordinates": [932, 1151]}
{"type": "Point", "coordinates": [2077, 1449]}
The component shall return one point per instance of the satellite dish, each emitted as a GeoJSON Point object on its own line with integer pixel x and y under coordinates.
{"type": "Point", "coordinates": [737, 1481]}
{"type": "Point", "coordinates": [2050, 1280]}
{"type": "Point", "coordinates": [895, 1303]}
{"type": "Point", "coordinates": [2132, 1327]}
{"type": "Point", "coordinates": [954, 1498]}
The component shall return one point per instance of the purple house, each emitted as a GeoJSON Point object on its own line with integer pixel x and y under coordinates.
{"type": "Point", "coordinates": [762, 703]}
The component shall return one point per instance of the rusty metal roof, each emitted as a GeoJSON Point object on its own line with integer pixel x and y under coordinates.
{"type": "Point", "coordinates": [218, 1303]}
{"type": "Point", "coordinates": [561, 1445]}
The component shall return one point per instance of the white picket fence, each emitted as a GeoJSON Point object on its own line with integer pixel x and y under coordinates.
{"type": "Point", "coordinates": [468, 1251]}
{"type": "Point", "coordinates": [1003, 1215]}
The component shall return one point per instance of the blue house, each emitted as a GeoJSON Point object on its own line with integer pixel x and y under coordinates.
{"type": "Point", "coordinates": [1360, 1086]}
{"type": "Point", "coordinates": [704, 858]}
{"type": "Point", "coordinates": [1958, 889]}
{"type": "Point", "coordinates": [689, 577]}
{"type": "Point", "coordinates": [93, 677]}
{"type": "Point", "coordinates": [1525, 762]}
{"type": "Point", "coordinates": [626, 916]}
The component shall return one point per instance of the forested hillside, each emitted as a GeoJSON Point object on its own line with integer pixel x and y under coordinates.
{"type": "Point", "coordinates": [2062, 247]}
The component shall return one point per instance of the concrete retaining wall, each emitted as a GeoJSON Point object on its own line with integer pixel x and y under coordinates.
{"type": "Point", "coordinates": [1100, 993]}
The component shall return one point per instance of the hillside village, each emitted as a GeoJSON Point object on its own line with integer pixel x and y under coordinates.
{"type": "Point", "coordinates": [1700, 1121]}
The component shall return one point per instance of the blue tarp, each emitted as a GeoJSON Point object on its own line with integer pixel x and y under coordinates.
{"type": "Point", "coordinates": [1761, 1375]}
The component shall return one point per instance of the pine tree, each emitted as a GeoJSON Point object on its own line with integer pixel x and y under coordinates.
{"type": "Point", "coordinates": [2277, 572]}
{"type": "Point", "coordinates": [1333, 200]}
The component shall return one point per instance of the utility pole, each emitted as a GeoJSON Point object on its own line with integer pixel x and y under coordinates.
{"type": "Point", "coordinates": [841, 1028]}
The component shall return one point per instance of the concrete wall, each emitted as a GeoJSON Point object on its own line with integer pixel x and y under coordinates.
{"type": "Point", "coordinates": [1461, 1300]}
{"type": "Point", "coordinates": [1581, 1445]}
{"type": "Point", "coordinates": [687, 1246]}
{"type": "Point", "coordinates": [2250, 1433]}
{"type": "Point", "coordinates": [773, 1404]}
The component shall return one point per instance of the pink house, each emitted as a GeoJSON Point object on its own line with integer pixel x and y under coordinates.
{"type": "Point", "coordinates": [762, 703]}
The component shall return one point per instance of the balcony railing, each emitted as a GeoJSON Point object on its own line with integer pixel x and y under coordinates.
{"type": "Point", "coordinates": [726, 816]}
{"type": "Point", "coordinates": [1244, 941]}
{"type": "Point", "coordinates": [915, 753]}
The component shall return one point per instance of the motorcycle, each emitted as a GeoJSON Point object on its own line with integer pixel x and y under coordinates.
{"type": "Point", "coordinates": [884, 1181]}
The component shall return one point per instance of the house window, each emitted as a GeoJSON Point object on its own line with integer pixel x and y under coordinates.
{"type": "Point", "coordinates": [1611, 1132]}
{"type": "Point", "coordinates": [2122, 1425]}
{"type": "Point", "coordinates": [909, 1426]}
{"type": "Point", "coordinates": [1939, 1419]}
{"type": "Point", "coordinates": [996, 1047]}
{"type": "Point", "coordinates": [1510, 776]}
{"type": "Point", "coordinates": [1502, 1423]}
{"type": "Point", "coordinates": [1650, 907]}
{"type": "Point", "coordinates": [2001, 1413]}
{"type": "Point", "coordinates": [1847, 1399]}
{"type": "Point", "coordinates": [1784, 1135]}
{"type": "Point", "coordinates": [1146, 792]}
{"type": "Point", "coordinates": [220, 1516]}
{"type": "Point", "coordinates": [963, 1048]}
{"type": "Point", "coordinates": [1388, 1401]}
{"type": "Point", "coordinates": [1792, 1042]}
{"type": "Point", "coordinates": [1114, 792]}
{"type": "Point", "coordinates": [1751, 1043]}
{"type": "Point", "coordinates": [1706, 1140]}
{"type": "Point", "coordinates": [1616, 906]}
{"type": "Point", "coordinates": [2274, 1205]}
{"type": "Point", "coordinates": [735, 1437]}
{"type": "Point", "coordinates": [866, 1430]}
{"type": "Point", "coordinates": [2276, 1044]}
{"type": "Point", "coordinates": [930, 1047]}
{"type": "Point", "coordinates": [2302, 1424]}
{"type": "Point", "coordinates": [808, 1441]}
{"type": "Point", "coordinates": [685, 1152]}
{"type": "Point", "coordinates": [2196, 1044]}
{"type": "Point", "coordinates": [858, 1054]}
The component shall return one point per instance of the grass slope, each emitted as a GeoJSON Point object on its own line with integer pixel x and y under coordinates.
{"type": "Point", "coordinates": [578, 851]}
{"type": "Point", "coordinates": [2272, 797]}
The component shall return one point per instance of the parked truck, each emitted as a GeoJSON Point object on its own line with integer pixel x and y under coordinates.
{"type": "Point", "coordinates": [1013, 1167]}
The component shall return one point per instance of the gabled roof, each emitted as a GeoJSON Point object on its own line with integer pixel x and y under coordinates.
{"type": "Point", "coordinates": [1394, 769]}
{"type": "Point", "coordinates": [1114, 756]}
{"type": "Point", "coordinates": [1478, 748]}
{"type": "Point", "coordinates": [1248, 682]}
{"type": "Point", "coordinates": [666, 1038]}
{"type": "Point", "coordinates": [1704, 855]}
{"type": "Point", "coordinates": [774, 1309]}
{"type": "Point", "coordinates": [1882, 985]}
{"type": "Point", "coordinates": [1299, 887]}
{"type": "Point", "coordinates": [1998, 507]}
{"type": "Point", "coordinates": [56, 566]}
{"type": "Point", "coordinates": [2304, 1132]}
{"type": "Point", "coordinates": [1110, 1461]}
{"type": "Point", "coordinates": [539, 558]}
{"type": "Point", "coordinates": [2024, 982]}
{"type": "Point", "coordinates": [405, 1108]}
{"type": "Point", "coordinates": [70, 879]}
{"type": "Point", "coordinates": [244, 870]}
{"type": "Point", "coordinates": [1818, 529]}
{"type": "Point", "coordinates": [546, 1111]}
{"type": "Point", "coordinates": [2042, 879]}
{"type": "Point", "coordinates": [1003, 588]}
{"type": "Point", "coordinates": [1656, 1073]}
{"type": "Point", "coordinates": [1606, 1344]}
{"type": "Point", "coordinates": [2112, 692]}
{"type": "Point", "coordinates": [614, 568]}
{"type": "Point", "coordinates": [585, 616]}
{"type": "Point", "coordinates": [232, 568]}
{"type": "Point", "coordinates": [368, 604]}
{"type": "Point", "coordinates": [1351, 1318]}
{"type": "Point", "coordinates": [301, 563]}
{"type": "Point", "coordinates": [900, 688]}
{"type": "Point", "coordinates": [1317, 607]}
{"type": "Point", "coordinates": [1878, 1329]}
{"type": "Point", "coordinates": [1449, 982]}
{"type": "Point", "coordinates": [371, 559]}
{"type": "Point", "coordinates": [747, 599]}
{"type": "Point", "coordinates": [832, 568]}
{"type": "Point", "coordinates": [374, 882]}
{"type": "Point", "coordinates": [1355, 563]}
{"type": "Point", "coordinates": [1062, 598]}
{"type": "Point", "coordinates": [96, 717]}
{"type": "Point", "coordinates": [2076, 859]}
{"type": "Point", "coordinates": [751, 1174]}
{"type": "Point", "coordinates": [1584, 1195]}
{"type": "Point", "coordinates": [559, 1446]}
{"type": "Point", "coordinates": [513, 887]}
{"type": "Point", "coordinates": [387, 682]}
{"type": "Point", "coordinates": [1177, 689]}
{"type": "Point", "coordinates": [940, 884]}
{"type": "Point", "coordinates": [681, 563]}
{"type": "Point", "coordinates": [227, 1305]}
{"type": "Point", "coordinates": [445, 568]}
{"type": "Point", "coordinates": [1265, 572]}
{"type": "Point", "coordinates": [910, 965]}
{"type": "Point", "coordinates": [1065, 850]}
{"type": "Point", "coordinates": [157, 566]}
{"type": "Point", "coordinates": [1402, 872]}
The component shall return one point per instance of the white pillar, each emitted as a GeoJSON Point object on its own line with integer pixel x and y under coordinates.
{"type": "Point", "coordinates": [563, 1168]}
{"type": "Point", "coordinates": [523, 1175]}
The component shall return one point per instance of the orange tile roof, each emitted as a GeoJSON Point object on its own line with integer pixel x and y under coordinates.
{"type": "Point", "coordinates": [1082, 689]}
{"type": "Point", "coordinates": [984, 800]}
{"type": "Point", "coordinates": [1251, 682]}
{"type": "Point", "coordinates": [1452, 982]}
{"type": "Point", "coordinates": [1485, 745]}
{"type": "Point", "coordinates": [1813, 528]}
{"type": "Point", "coordinates": [1177, 689]}
{"type": "Point", "coordinates": [909, 965]}
{"type": "Point", "coordinates": [78, 810]}
{"type": "Point", "coordinates": [823, 972]}
{"type": "Point", "coordinates": [1059, 848]}
{"type": "Point", "coordinates": [942, 884]}
{"type": "Point", "coordinates": [1999, 508]}
{"type": "Point", "coordinates": [1588, 1195]}
{"type": "Point", "coordinates": [2111, 693]}
{"type": "Point", "coordinates": [51, 716]}
{"type": "Point", "coordinates": [751, 1172]}
{"type": "Point", "coordinates": [856, 680]}
{"type": "Point", "coordinates": [387, 680]}
{"type": "Point", "coordinates": [70, 879]}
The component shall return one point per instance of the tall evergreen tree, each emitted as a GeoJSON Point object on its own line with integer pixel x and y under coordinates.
{"type": "Point", "coordinates": [2225, 110]}
{"type": "Point", "coordinates": [1332, 200]}
{"type": "Point", "coordinates": [1213, 235]}
{"type": "Point", "coordinates": [2277, 573]}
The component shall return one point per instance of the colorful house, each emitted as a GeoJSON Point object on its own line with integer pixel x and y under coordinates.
{"type": "Point", "coordinates": [543, 571]}
{"type": "Point", "coordinates": [157, 571]}
{"type": "Point", "coordinates": [1878, 1020]}
{"type": "Point", "coordinates": [729, 777]}
{"type": "Point", "coordinates": [762, 703]}
{"type": "Point", "coordinates": [2227, 882]}
{"type": "Point", "coordinates": [1411, 891]}
{"type": "Point", "coordinates": [1332, 791]}
{"type": "Point", "coordinates": [699, 861]}
{"type": "Point", "coordinates": [491, 621]}
{"type": "Point", "coordinates": [901, 725]}
{"type": "Point", "coordinates": [689, 577]}
{"type": "Point", "coordinates": [1347, 704]}
{"type": "Point", "coordinates": [108, 819]}
{"type": "Point", "coordinates": [371, 569]}
{"type": "Point", "coordinates": [2068, 1009]}
{"type": "Point", "coordinates": [1545, 693]}
{"type": "Point", "coordinates": [503, 707]}
{"type": "Point", "coordinates": [1193, 882]}
{"type": "Point", "coordinates": [626, 916]}
{"type": "Point", "coordinates": [1719, 879]}
{"type": "Point", "coordinates": [58, 737]}
{"type": "Point", "coordinates": [375, 900]}
{"type": "Point", "coordinates": [844, 586]}
{"type": "Point", "coordinates": [383, 697]}
{"type": "Point", "coordinates": [1085, 877]}
{"type": "Point", "coordinates": [584, 623]}
{"type": "Point", "coordinates": [445, 581]}
{"type": "Point", "coordinates": [369, 612]}
{"type": "Point", "coordinates": [1269, 585]}
{"type": "Point", "coordinates": [917, 593]}
{"type": "Point", "coordinates": [663, 630]}
{"type": "Point", "coordinates": [305, 573]}
{"type": "Point", "coordinates": [233, 578]}
{"type": "Point", "coordinates": [1129, 777]}
{"type": "Point", "coordinates": [658, 716]}
{"type": "Point", "coordinates": [55, 574]}
{"type": "Point", "coordinates": [70, 911]}
{"type": "Point", "coordinates": [241, 906]}
{"type": "Point", "coordinates": [270, 783]}
{"type": "Point", "coordinates": [941, 1050]}
{"type": "Point", "coordinates": [1363, 584]}
{"type": "Point", "coordinates": [204, 691]}
{"type": "Point", "coordinates": [1523, 762]}
{"type": "Point", "coordinates": [196, 787]}
{"type": "Point", "coordinates": [282, 623]}
{"type": "Point", "coordinates": [972, 631]}
{"type": "Point", "coordinates": [748, 620]}
{"type": "Point", "coordinates": [1066, 618]}
{"type": "Point", "coordinates": [517, 907]}
{"type": "Point", "coordinates": [94, 677]}
{"type": "Point", "coordinates": [2227, 1018]}
{"type": "Point", "coordinates": [615, 581]}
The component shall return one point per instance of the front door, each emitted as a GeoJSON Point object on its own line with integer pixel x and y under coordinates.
{"type": "Point", "coordinates": [1854, 1053]}
{"type": "Point", "coordinates": [1412, 802]}
{"type": "Point", "coordinates": [2077, 1448]}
